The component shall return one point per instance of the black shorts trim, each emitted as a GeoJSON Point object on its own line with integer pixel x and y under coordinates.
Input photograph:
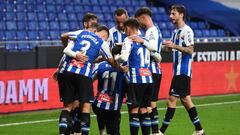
{"type": "Point", "coordinates": [156, 86]}
{"type": "Point", "coordinates": [75, 87]}
{"type": "Point", "coordinates": [180, 86]}
{"type": "Point", "coordinates": [139, 95]}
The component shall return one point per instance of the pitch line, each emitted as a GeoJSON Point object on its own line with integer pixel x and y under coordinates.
{"type": "Point", "coordinates": [124, 112]}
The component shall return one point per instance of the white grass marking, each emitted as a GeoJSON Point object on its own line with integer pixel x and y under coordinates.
{"type": "Point", "coordinates": [124, 112]}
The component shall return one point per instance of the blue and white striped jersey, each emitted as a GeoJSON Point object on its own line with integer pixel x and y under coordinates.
{"type": "Point", "coordinates": [154, 36]}
{"type": "Point", "coordinates": [111, 87]}
{"type": "Point", "coordinates": [182, 62]}
{"type": "Point", "coordinates": [138, 58]}
{"type": "Point", "coordinates": [91, 45]}
{"type": "Point", "coordinates": [116, 36]}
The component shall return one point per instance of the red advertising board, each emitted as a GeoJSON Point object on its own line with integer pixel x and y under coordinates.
{"type": "Point", "coordinates": [26, 90]}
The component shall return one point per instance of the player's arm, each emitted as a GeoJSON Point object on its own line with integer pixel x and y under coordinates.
{"type": "Point", "coordinates": [165, 48]}
{"type": "Point", "coordinates": [95, 72]}
{"type": "Point", "coordinates": [150, 43]}
{"type": "Point", "coordinates": [157, 56]}
{"type": "Point", "coordinates": [125, 51]}
{"type": "Point", "coordinates": [65, 37]}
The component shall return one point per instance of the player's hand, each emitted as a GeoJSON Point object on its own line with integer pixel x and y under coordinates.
{"type": "Point", "coordinates": [169, 44]}
{"type": "Point", "coordinates": [137, 39]}
{"type": "Point", "coordinates": [124, 69]}
{"type": "Point", "coordinates": [81, 57]}
{"type": "Point", "coordinates": [54, 76]}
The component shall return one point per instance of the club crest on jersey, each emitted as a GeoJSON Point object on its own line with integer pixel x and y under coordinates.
{"type": "Point", "coordinates": [104, 97]}
{"type": "Point", "coordinates": [145, 72]}
{"type": "Point", "coordinates": [76, 63]}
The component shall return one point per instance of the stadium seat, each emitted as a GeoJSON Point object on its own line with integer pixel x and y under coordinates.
{"type": "Point", "coordinates": [52, 16]}
{"type": "Point", "coordinates": [11, 25]}
{"type": "Point", "coordinates": [21, 8]}
{"type": "Point", "coordinates": [10, 8]}
{"type": "Point", "coordinates": [97, 9]}
{"type": "Point", "coordinates": [64, 25]}
{"type": "Point", "coordinates": [2, 16]}
{"type": "Point", "coordinates": [44, 35]}
{"type": "Point", "coordinates": [22, 35]}
{"type": "Point", "coordinates": [32, 16]}
{"type": "Point", "coordinates": [2, 25]}
{"type": "Point", "coordinates": [11, 16]}
{"type": "Point", "coordinates": [24, 47]}
{"type": "Point", "coordinates": [205, 33]}
{"type": "Point", "coordinates": [33, 25]}
{"type": "Point", "coordinates": [119, 3]}
{"type": "Point", "coordinates": [198, 33]}
{"type": "Point", "coordinates": [165, 17]}
{"type": "Point", "coordinates": [162, 25]}
{"type": "Point", "coordinates": [87, 8]}
{"type": "Point", "coordinates": [31, 7]}
{"type": "Point", "coordinates": [161, 10]}
{"type": "Point", "coordinates": [40, 8]}
{"type": "Point", "coordinates": [78, 8]}
{"type": "Point", "coordinates": [54, 25]}
{"type": "Point", "coordinates": [69, 8]}
{"type": "Point", "coordinates": [42, 16]}
{"type": "Point", "coordinates": [100, 16]}
{"type": "Point", "coordinates": [110, 24]}
{"type": "Point", "coordinates": [74, 25]}
{"type": "Point", "coordinates": [112, 9]}
{"type": "Point", "coordinates": [43, 25]}
{"type": "Point", "coordinates": [94, 2]}
{"type": "Point", "coordinates": [166, 34]}
{"type": "Point", "coordinates": [201, 25]}
{"type": "Point", "coordinates": [62, 17]}
{"type": "Point", "coordinates": [55, 35]}
{"type": "Point", "coordinates": [105, 9]}
{"type": "Point", "coordinates": [103, 2]}
{"type": "Point", "coordinates": [50, 8]}
{"type": "Point", "coordinates": [21, 25]}
{"type": "Point", "coordinates": [59, 8]}
{"type": "Point", "coordinates": [72, 17]}
{"type": "Point", "coordinates": [193, 25]}
{"type": "Point", "coordinates": [11, 47]}
{"type": "Point", "coordinates": [58, 1]}
{"type": "Point", "coordinates": [170, 25]}
{"type": "Point", "coordinates": [108, 17]}
{"type": "Point", "coordinates": [221, 33]}
{"type": "Point", "coordinates": [2, 36]}
{"type": "Point", "coordinates": [33, 35]}
{"type": "Point", "coordinates": [86, 2]}
{"type": "Point", "coordinates": [213, 33]}
{"type": "Point", "coordinates": [21, 16]}
{"type": "Point", "coordinates": [77, 1]}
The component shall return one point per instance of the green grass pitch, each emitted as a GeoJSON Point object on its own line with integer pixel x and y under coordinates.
{"type": "Point", "coordinates": [219, 115]}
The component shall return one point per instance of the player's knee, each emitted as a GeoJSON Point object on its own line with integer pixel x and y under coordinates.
{"type": "Point", "coordinates": [68, 107]}
{"type": "Point", "coordinates": [86, 107]}
{"type": "Point", "coordinates": [172, 101]}
{"type": "Point", "coordinates": [186, 101]}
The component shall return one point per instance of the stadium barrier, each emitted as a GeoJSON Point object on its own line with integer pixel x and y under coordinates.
{"type": "Point", "coordinates": [28, 90]}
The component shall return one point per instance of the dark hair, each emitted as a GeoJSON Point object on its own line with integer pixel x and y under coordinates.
{"type": "Point", "coordinates": [121, 11]}
{"type": "Point", "coordinates": [88, 16]}
{"type": "Point", "coordinates": [180, 8]}
{"type": "Point", "coordinates": [116, 49]}
{"type": "Point", "coordinates": [143, 10]}
{"type": "Point", "coordinates": [132, 22]}
{"type": "Point", "coordinates": [94, 25]}
{"type": "Point", "coordinates": [103, 27]}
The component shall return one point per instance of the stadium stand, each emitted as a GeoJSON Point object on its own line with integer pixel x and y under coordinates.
{"type": "Point", "coordinates": [28, 20]}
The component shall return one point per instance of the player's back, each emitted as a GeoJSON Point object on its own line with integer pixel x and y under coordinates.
{"type": "Point", "coordinates": [111, 87]}
{"type": "Point", "coordinates": [139, 62]}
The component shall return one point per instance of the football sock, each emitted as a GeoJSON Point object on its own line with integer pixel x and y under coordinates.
{"type": "Point", "coordinates": [64, 122]}
{"type": "Point", "coordinates": [192, 112]}
{"type": "Point", "coordinates": [154, 120]}
{"type": "Point", "coordinates": [167, 120]}
{"type": "Point", "coordinates": [145, 121]}
{"type": "Point", "coordinates": [76, 120]}
{"type": "Point", "coordinates": [134, 123]}
{"type": "Point", "coordinates": [85, 123]}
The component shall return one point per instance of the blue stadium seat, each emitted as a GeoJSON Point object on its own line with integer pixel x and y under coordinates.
{"type": "Point", "coordinates": [2, 16]}
{"type": "Point", "coordinates": [22, 35]}
{"type": "Point", "coordinates": [19, 1]}
{"type": "Point", "coordinates": [33, 25]}
{"type": "Point", "coordinates": [221, 33]}
{"type": "Point", "coordinates": [112, 9]}
{"type": "Point", "coordinates": [44, 35]}
{"type": "Point", "coordinates": [166, 34]}
{"type": "Point", "coordinates": [21, 25]}
{"type": "Point", "coordinates": [58, 2]}
{"type": "Point", "coordinates": [87, 8]}
{"type": "Point", "coordinates": [110, 24]}
{"type": "Point", "coordinates": [50, 8]}
{"type": "Point", "coordinates": [154, 10]}
{"type": "Point", "coordinates": [213, 33]}
{"type": "Point", "coordinates": [33, 35]}
{"type": "Point", "coordinates": [100, 16]}
{"type": "Point", "coordinates": [136, 3]}
{"type": "Point", "coordinates": [64, 25]}
{"type": "Point", "coordinates": [119, 3]}
{"type": "Point", "coordinates": [2, 25]}
{"type": "Point", "coordinates": [161, 10]}
{"type": "Point", "coordinates": [69, 8]}
{"type": "Point", "coordinates": [32, 16]}
{"type": "Point", "coordinates": [10, 16]}
{"type": "Point", "coordinates": [10, 35]}
{"type": "Point", "coordinates": [126, 2]}
{"type": "Point", "coordinates": [94, 2]}
{"type": "Point", "coordinates": [2, 36]}
{"type": "Point", "coordinates": [165, 18]}
{"type": "Point", "coordinates": [11, 25]}
{"type": "Point", "coordinates": [162, 25]}
{"type": "Point", "coordinates": [170, 25]}
{"type": "Point", "coordinates": [157, 17]}
{"type": "Point", "coordinates": [193, 25]}
{"type": "Point", "coordinates": [55, 35]}
{"type": "Point", "coordinates": [31, 7]}
{"type": "Point", "coordinates": [62, 17]}
{"type": "Point", "coordinates": [52, 16]}
{"type": "Point", "coordinates": [143, 3]}
{"type": "Point", "coordinates": [97, 9]}
{"type": "Point", "coordinates": [74, 25]}
{"type": "Point", "coordinates": [78, 8]}
{"type": "Point", "coordinates": [10, 8]}
{"type": "Point", "coordinates": [42, 16]}
{"type": "Point", "coordinates": [59, 8]}
{"type": "Point", "coordinates": [40, 8]}
{"type": "Point", "coordinates": [77, 1]}
{"type": "Point", "coordinates": [2, 8]}
{"type": "Point", "coordinates": [79, 16]}
{"type": "Point", "coordinates": [201, 25]}
{"type": "Point", "coordinates": [11, 47]}
{"type": "Point", "coordinates": [40, 1]}
{"type": "Point", "coordinates": [103, 2]}
{"type": "Point", "coordinates": [43, 25]}
{"type": "Point", "coordinates": [54, 25]}
{"type": "Point", "coordinates": [86, 2]}
{"type": "Point", "coordinates": [105, 9]}
{"type": "Point", "coordinates": [21, 16]}
{"type": "Point", "coordinates": [24, 47]}
{"type": "Point", "coordinates": [205, 33]}
{"type": "Point", "coordinates": [108, 17]}
{"type": "Point", "coordinates": [72, 17]}
{"type": "Point", "coordinates": [197, 33]}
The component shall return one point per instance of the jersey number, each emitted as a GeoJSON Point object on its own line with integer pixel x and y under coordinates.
{"type": "Point", "coordinates": [145, 57]}
{"type": "Point", "coordinates": [109, 77]}
{"type": "Point", "coordinates": [85, 46]}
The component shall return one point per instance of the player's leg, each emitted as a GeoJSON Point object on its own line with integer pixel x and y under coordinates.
{"type": "Point", "coordinates": [85, 87]}
{"type": "Point", "coordinates": [100, 118]}
{"type": "Point", "coordinates": [75, 114]}
{"type": "Point", "coordinates": [145, 119]}
{"type": "Point", "coordinates": [66, 90]}
{"type": "Point", "coordinates": [154, 112]}
{"type": "Point", "coordinates": [171, 103]}
{"type": "Point", "coordinates": [133, 104]}
{"type": "Point", "coordinates": [113, 122]}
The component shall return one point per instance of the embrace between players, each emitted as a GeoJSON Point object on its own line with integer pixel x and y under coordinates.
{"type": "Point", "coordinates": [125, 63]}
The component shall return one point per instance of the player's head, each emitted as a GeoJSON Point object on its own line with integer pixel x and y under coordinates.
{"type": "Point", "coordinates": [120, 16]}
{"type": "Point", "coordinates": [89, 19]}
{"type": "Point", "coordinates": [93, 27]}
{"type": "Point", "coordinates": [178, 13]}
{"type": "Point", "coordinates": [103, 32]}
{"type": "Point", "coordinates": [131, 26]}
{"type": "Point", "coordinates": [143, 14]}
{"type": "Point", "coordinates": [116, 49]}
